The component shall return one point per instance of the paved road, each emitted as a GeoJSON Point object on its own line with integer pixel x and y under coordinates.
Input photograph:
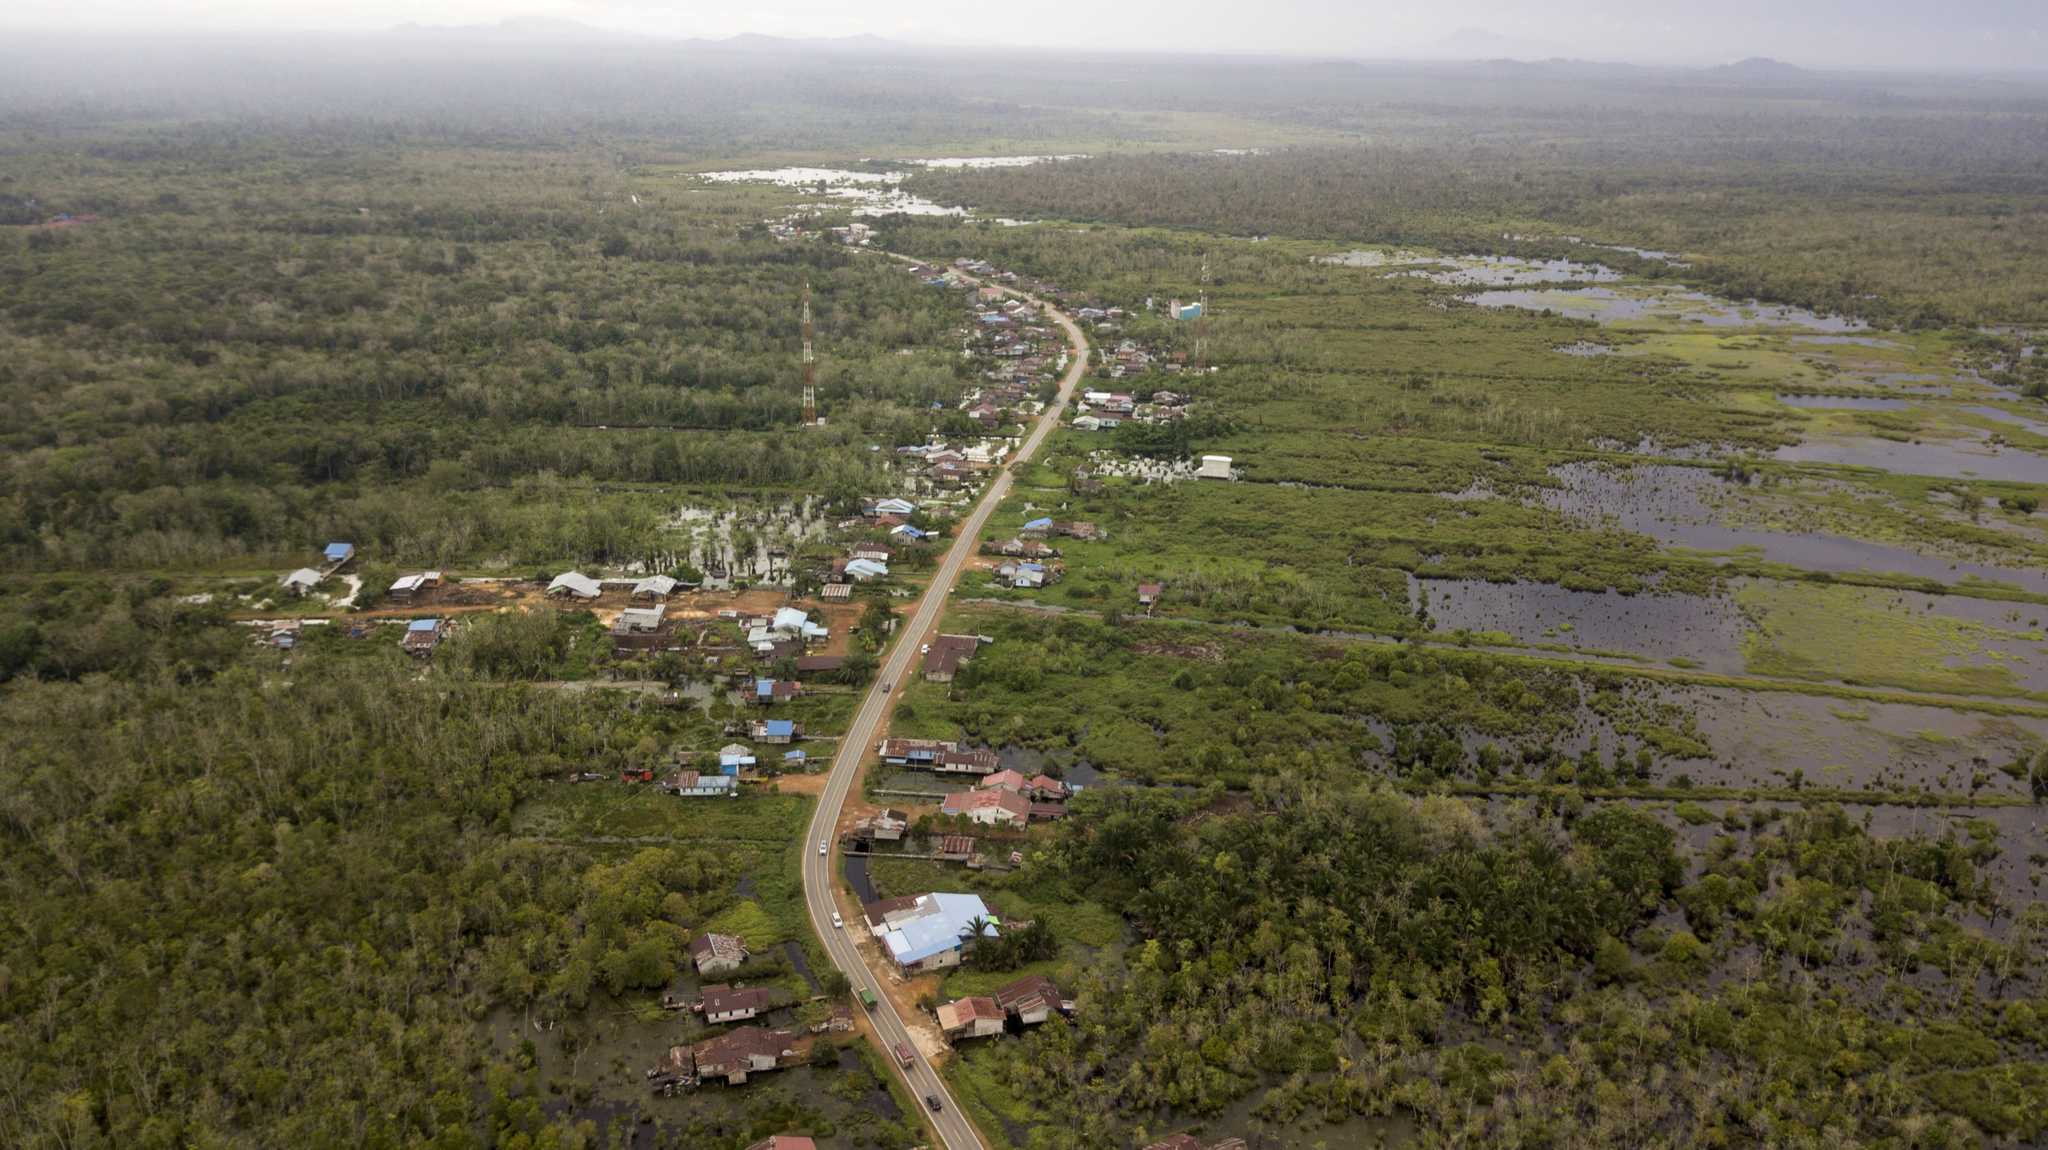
{"type": "Point", "coordinates": [955, 1131]}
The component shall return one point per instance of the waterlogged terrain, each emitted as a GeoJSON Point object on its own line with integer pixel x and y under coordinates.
{"type": "Point", "coordinates": [1635, 303]}
{"type": "Point", "coordinates": [1969, 456]}
{"type": "Point", "coordinates": [1697, 509]}
{"type": "Point", "coordinates": [1703, 630]}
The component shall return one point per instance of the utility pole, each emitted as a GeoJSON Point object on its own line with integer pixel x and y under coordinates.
{"type": "Point", "coordinates": [810, 364]}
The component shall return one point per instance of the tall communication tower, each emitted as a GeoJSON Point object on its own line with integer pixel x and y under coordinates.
{"type": "Point", "coordinates": [1202, 319]}
{"type": "Point", "coordinates": [810, 363]}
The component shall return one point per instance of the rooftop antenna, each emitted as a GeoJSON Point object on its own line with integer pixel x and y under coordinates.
{"type": "Point", "coordinates": [810, 363]}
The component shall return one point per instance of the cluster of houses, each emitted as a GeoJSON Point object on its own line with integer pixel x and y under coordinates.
{"type": "Point", "coordinates": [945, 466]}
{"type": "Point", "coordinates": [1006, 798]}
{"type": "Point", "coordinates": [929, 931]}
{"type": "Point", "coordinates": [1030, 1000]}
{"type": "Point", "coordinates": [1108, 410]}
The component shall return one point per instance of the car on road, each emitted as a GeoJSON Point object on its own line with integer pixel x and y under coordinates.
{"type": "Point", "coordinates": [837, 923]}
{"type": "Point", "coordinates": [932, 1101]}
{"type": "Point", "coordinates": [885, 688]}
{"type": "Point", "coordinates": [823, 846]}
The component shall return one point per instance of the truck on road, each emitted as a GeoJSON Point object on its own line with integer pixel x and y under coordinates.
{"type": "Point", "coordinates": [867, 998]}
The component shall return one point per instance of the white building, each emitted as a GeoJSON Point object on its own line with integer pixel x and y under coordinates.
{"type": "Point", "coordinates": [1214, 467]}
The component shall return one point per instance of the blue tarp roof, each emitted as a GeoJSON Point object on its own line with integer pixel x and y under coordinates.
{"type": "Point", "coordinates": [788, 755]}
{"type": "Point", "coordinates": [764, 686]}
{"type": "Point", "coordinates": [779, 727]}
{"type": "Point", "coordinates": [340, 550]}
{"type": "Point", "coordinates": [423, 624]}
{"type": "Point", "coordinates": [938, 930]}
{"type": "Point", "coordinates": [1037, 523]}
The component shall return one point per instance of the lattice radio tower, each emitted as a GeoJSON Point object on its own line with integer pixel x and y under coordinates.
{"type": "Point", "coordinates": [810, 363]}
{"type": "Point", "coordinates": [1202, 319]}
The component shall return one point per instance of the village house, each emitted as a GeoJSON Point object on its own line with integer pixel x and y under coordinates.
{"type": "Point", "coordinates": [746, 1050]}
{"type": "Point", "coordinates": [931, 933]}
{"type": "Point", "coordinates": [877, 552]}
{"type": "Point", "coordinates": [971, 1017]}
{"type": "Point", "coordinates": [643, 629]}
{"type": "Point", "coordinates": [422, 636]}
{"type": "Point", "coordinates": [795, 761]}
{"type": "Point", "coordinates": [1043, 788]}
{"type": "Point", "coordinates": [574, 584]}
{"type": "Point", "coordinates": [1148, 594]}
{"type": "Point", "coordinates": [836, 591]}
{"type": "Point", "coordinates": [891, 507]}
{"type": "Point", "coordinates": [337, 554]}
{"type": "Point", "coordinates": [718, 953]}
{"type": "Point", "coordinates": [692, 785]}
{"type": "Point", "coordinates": [946, 654]}
{"type": "Point", "coordinates": [966, 761]}
{"type": "Point", "coordinates": [1214, 467]}
{"type": "Point", "coordinates": [1078, 529]}
{"type": "Point", "coordinates": [901, 752]}
{"type": "Point", "coordinates": [733, 758]}
{"type": "Point", "coordinates": [1033, 999]}
{"type": "Point", "coordinates": [407, 587]}
{"type": "Point", "coordinates": [989, 807]}
{"type": "Point", "coordinates": [776, 732]}
{"type": "Point", "coordinates": [882, 826]}
{"type": "Point", "coordinates": [1036, 529]}
{"type": "Point", "coordinates": [862, 570]}
{"type": "Point", "coordinates": [301, 581]}
{"type": "Point", "coordinates": [819, 664]}
{"type": "Point", "coordinates": [955, 848]}
{"type": "Point", "coordinates": [722, 1004]}
{"type": "Point", "coordinates": [1004, 780]}
{"type": "Point", "coordinates": [654, 587]}
{"type": "Point", "coordinates": [770, 691]}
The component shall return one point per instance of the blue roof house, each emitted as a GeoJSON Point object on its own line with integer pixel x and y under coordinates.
{"type": "Point", "coordinates": [339, 552]}
{"type": "Point", "coordinates": [933, 937]}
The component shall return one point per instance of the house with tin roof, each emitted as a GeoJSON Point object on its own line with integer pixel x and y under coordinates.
{"type": "Point", "coordinates": [934, 931]}
{"type": "Point", "coordinates": [972, 1017]}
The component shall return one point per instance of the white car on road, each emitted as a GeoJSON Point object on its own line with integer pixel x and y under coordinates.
{"type": "Point", "coordinates": [822, 846]}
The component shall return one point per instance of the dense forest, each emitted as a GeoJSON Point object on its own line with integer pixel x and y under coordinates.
{"type": "Point", "coordinates": [266, 341]}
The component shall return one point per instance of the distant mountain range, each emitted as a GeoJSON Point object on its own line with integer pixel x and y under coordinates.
{"type": "Point", "coordinates": [1466, 45]}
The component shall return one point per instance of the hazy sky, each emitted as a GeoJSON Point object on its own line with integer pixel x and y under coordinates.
{"type": "Point", "coordinates": [1877, 33]}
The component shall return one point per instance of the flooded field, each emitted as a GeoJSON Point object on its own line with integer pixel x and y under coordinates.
{"type": "Point", "coordinates": [1375, 258]}
{"type": "Point", "coordinates": [1689, 507]}
{"type": "Point", "coordinates": [2007, 415]}
{"type": "Point", "coordinates": [1706, 629]}
{"type": "Point", "coordinates": [1614, 305]}
{"type": "Point", "coordinates": [1496, 271]}
{"type": "Point", "coordinates": [1844, 402]}
{"type": "Point", "coordinates": [1584, 349]}
{"type": "Point", "coordinates": [1972, 457]}
{"type": "Point", "coordinates": [1771, 738]}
